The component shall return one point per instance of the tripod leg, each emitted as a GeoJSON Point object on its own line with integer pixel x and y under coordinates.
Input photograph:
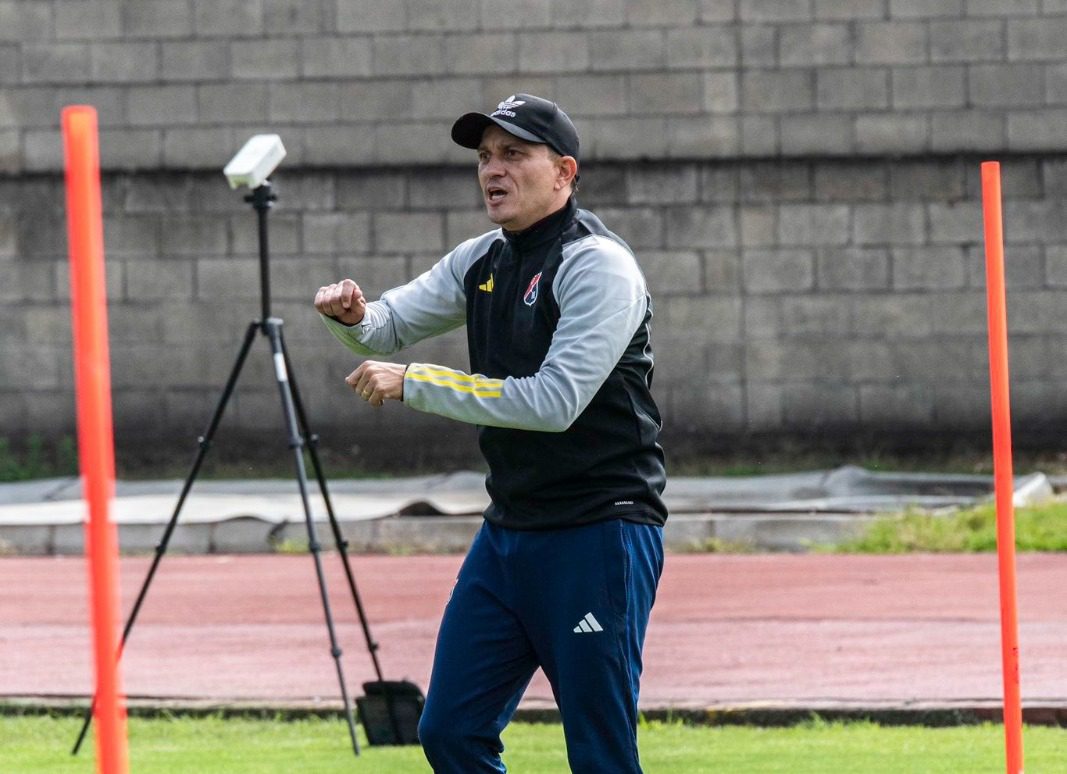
{"type": "Point", "coordinates": [339, 540]}
{"type": "Point", "coordinates": [296, 443]}
{"type": "Point", "coordinates": [161, 548]}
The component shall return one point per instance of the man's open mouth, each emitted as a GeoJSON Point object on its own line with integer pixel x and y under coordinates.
{"type": "Point", "coordinates": [495, 194]}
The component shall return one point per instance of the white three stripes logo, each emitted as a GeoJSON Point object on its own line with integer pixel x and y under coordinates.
{"type": "Point", "coordinates": [588, 625]}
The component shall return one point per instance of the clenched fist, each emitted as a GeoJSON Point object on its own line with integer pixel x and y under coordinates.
{"type": "Point", "coordinates": [343, 301]}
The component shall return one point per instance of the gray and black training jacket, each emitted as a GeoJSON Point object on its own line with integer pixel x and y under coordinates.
{"type": "Point", "coordinates": [561, 367]}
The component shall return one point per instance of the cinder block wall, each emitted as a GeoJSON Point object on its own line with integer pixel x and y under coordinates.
{"type": "Point", "coordinates": [798, 178]}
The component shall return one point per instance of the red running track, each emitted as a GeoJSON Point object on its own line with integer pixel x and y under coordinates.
{"type": "Point", "coordinates": [796, 629]}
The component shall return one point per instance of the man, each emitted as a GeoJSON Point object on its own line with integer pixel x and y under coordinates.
{"type": "Point", "coordinates": [563, 573]}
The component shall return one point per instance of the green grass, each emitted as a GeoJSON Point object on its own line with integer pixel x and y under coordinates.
{"type": "Point", "coordinates": [239, 746]}
{"type": "Point", "coordinates": [1037, 528]}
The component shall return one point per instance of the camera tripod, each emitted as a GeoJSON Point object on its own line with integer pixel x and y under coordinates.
{"type": "Point", "coordinates": [299, 438]}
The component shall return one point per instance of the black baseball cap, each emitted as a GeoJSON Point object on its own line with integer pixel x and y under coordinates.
{"type": "Point", "coordinates": [529, 118]}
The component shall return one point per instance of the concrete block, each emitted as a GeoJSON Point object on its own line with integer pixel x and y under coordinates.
{"type": "Point", "coordinates": [426, 142]}
{"type": "Point", "coordinates": [1036, 39]}
{"type": "Point", "coordinates": [814, 45]}
{"type": "Point", "coordinates": [304, 102]}
{"type": "Point", "coordinates": [899, 315]}
{"type": "Point", "coordinates": [141, 321]}
{"type": "Point", "coordinates": [231, 103]}
{"type": "Point", "coordinates": [135, 236]}
{"type": "Point", "coordinates": [777, 91]}
{"type": "Point", "coordinates": [375, 274]}
{"type": "Point", "coordinates": [758, 226]}
{"type": "Point", "coordinates": [468, 54]}
{"type": "Point", "coordinates": [592, 95]}
{"type": "Point", "coordinates": [813, 224]}
{"type": "Point", "coordinates": [26, 539]}
{"type": "Point", "coordinates": [925, 9]}
{"type": "Point", "coordinates": [408, 54]}
{"type": "Point", "coordinates": [125, 62]}
{"type": "Point", "coordinates": [461, 226]}
{"type": "Point", "coordinates": [199, 148]}
{"type": "Point", "coordinates": [55, 62]}
{"type": "Point", "coordinates": [954, 223]}
{"type": "Point", "coordinates": [960, 313]}
{"type": "Point", "coordinates": [439, 97]}
{"type": "Point", "coordinates": [1018, 85]}
{"type": "Point", "coordinates": [88, 20]}
{"type": "Point", "coordinates": [968, 130]}
{"type": "Point", "coordinates": [60, 272]}
{"type": "Point", "coordinates": [1024, 269]}
{"type": "Point", "coordinates": [690, 316]}
{"type": "Point", "coordinates": [759, 136]}
{"type": "Point", "coordinates": [330, 57]}
{"type": "Point", "coordinates": [713, 227]}
{"type": "Point", "coordinates": [298, 278]}
{"type": "Point", "coordinates": [927, 179]}
{"type": "Point", "coordinates": [929, 87]}
{"type": "Point", "coordinates": [436, 17]}
{"type": "Point", "coordinates": [640, 227]}
{"type": "Point", "coordinates": [774, 11]}
{"type": "Point", "coordinates": [852, 269]}
{"type": "Point", "coordinates": [378, 190]}
{"type": "Point", "coordinates": [227, 278]}
{"type": "Point", "coordinates": [42, 150]}
{"type": "Point", "coordinates": [292, 17]}
{"type": "Point", "coordinates": [228, 18]}
{"type": "Point", "coordinates": [666, 94]}
{"type": "Point", "coordinates": [269, 58]}
{"type": "Point", "coordinates": [613, 138]}
{"type": "Point", "coordinates": [889, 133]}
{"type": "Point", "coordinates": [761, 319]}
{"type": "Point", "coordinates": [703, 137]}
{"type": "Point", "coordinates": [22, 21]}
{"type": "Point", "coordinates": [722, 271]}
{"type": "Point", "coordinates": [376, 100]}
{"type": "Point", "coordinates": [929, 268]}
{"type": "Point", "coordinates": [891, 42]}
{"type": "Point", "coordinates": [759, 46]}
{"type": "Point", "coordinates": [849, 10]}
{"type": "Point", "coordinates": [701, 47]}
{"type": "Point", "coordinates": [8, 237]}
{"type": "Point", "coordinates": [720, 92]}
{"type": "Point", "coordinates": [661, 184]}
{"type": "Point", "coordinates": [29, 367]}
{"type": "Point", "coordinates": [720, 407]}
{"type": "Point", "coordinates": [363, 16]}
{"type": "Point", "coordinates": [889, 224]}
{"type": "Point", "coordinates": [197, 235]}
{"type": "Point", "coordinates": [967, 41]}
{"type": "Point", "coordinates": [242, 536]}
{"type": "Point", "coordinates": [816, 133]}
{"type": "Point", "coordinates": [628, 50]}
{"type": "Point", "coordinates": [553, 52]}
{"type": "Point", "coordinates": [157, 19]}
{"type": "Point", "coordinates": [145, 195]}
{"type": "Point", "coordinates": [1056, 266]}
{"type": "Point", "coordinates": [499, 87]}
{"type": "Point", "coordinates": [408, 232]}
{"type": "Point", "coordinates": [896, 405]}
{"type": "Point", "coordinates": [162, 105]}
{"type": "Point", "coordinates": [1035, 130]}
{"type": "Point", "coordinates": [777, 271]}
{"type": "Point", "coordinates": [1034, 312]}
{"type": "Point", "coordinates": [68, 540]}
{"type": "Point", "coordinates": [773, 182]}
{"type": "Point", "coordinates": [157, 280]}
{"type": "Point", "coordinates": [845, 181]}
{"type": "Point", "coordinates": [448, 188]}
{"type": "Point", "coordinates": [588, 15]}
{"type": "Point", "coordinates": [815, 406]}
{"type": "Point", "coordinates": [763, 406]}
{"type": "Point", "coordinates": [852, 88]}
{"type": "Point", "coordinates": [1056, 84]}
{"type": "Point", "coordinates": [194, 60]}
{"type": "Point", "coordinates": [670, 13]}
{"type": "Point", "coordinates": [334, 233]}
{"type": "Point", "coordinates": [671, 272]}
{"type": "Point", "coordinates": [807, 315]}
{"type": "Point", "coordinates": [1034, 221]}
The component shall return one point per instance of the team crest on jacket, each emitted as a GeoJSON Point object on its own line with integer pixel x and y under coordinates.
{"type": "Point", "coordinates": [531, 291]}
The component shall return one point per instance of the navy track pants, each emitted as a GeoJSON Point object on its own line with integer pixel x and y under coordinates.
{"type": "Point", "coordinates": [574, 602]}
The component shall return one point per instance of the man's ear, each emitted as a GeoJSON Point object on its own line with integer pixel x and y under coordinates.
{"type": "Point", "coordinates": [566, 171]}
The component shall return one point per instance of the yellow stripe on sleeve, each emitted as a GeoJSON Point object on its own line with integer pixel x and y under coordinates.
{"type": "Point", "coordinates": [477, 385]}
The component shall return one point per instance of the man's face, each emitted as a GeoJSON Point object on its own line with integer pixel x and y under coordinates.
{"type": "Point", "coordinates": [520, 180]}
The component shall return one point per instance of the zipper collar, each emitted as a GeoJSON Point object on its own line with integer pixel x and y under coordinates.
{"type": "Point", "coordinates": [548, 228]}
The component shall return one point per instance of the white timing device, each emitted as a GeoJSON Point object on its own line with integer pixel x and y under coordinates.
{"type": "Point", "coordinates": [255, 161]}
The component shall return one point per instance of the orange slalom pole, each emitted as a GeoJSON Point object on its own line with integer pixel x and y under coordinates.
{"type": "Point", "coordinates": [85, 230]}
{"type": "Point", "coordinates": [1002, 462]}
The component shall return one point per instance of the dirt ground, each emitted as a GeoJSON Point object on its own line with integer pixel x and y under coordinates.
{"type": "Point", "coordinates": [794, 629]}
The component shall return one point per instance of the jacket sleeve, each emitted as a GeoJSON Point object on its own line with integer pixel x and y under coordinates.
{"type": "Point", "coordinates": [431, 304]}
{"type": "Point", "coordinates": [602, 299]}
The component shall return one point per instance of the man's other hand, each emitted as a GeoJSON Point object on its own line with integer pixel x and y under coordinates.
{"type": "Point", "coordinates": [377, 382]}
{"type": "Point", "coordinates": [343, 301]}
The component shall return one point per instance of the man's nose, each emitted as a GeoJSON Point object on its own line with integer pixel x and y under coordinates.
{"type": "Point", "coordinates": [493, 167]}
